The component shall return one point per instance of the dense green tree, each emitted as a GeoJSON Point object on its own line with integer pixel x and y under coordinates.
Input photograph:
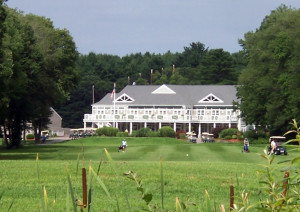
{"type": "Point", "coordinates": [22, 63]}
{"type": "Point", "coordinates": [4, 73]}
{"type": "Point", "coordinates": [177, 79]}
{"type": "Point", "coordinates": [39, 70]}
{"type": "Point", "coordinates": [269, 87]}
{"type": "Point", "coordinates": [59, 74]}
{"type": "Point", "coordinates": [240, 62]}
{"type": "Point", "coordinates": [217, 68]}
{"type": "Point", "coordinates": [192, 55]}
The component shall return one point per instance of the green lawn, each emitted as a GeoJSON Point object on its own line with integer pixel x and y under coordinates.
{"type": "Point", "coordinates": [188, 170]}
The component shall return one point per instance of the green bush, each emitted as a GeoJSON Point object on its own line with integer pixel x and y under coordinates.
{"type": "Point", "coordinates": [143, 132]}
{"type": "Point", "coordinates": [182, 136]}
{"type": "Point", "coordinates": [179, 132]}
{"type": "Point", "coordinates": [30, 136]}
{"type": "Point", "coordinates": [133, 133]}
{"type": "Point", "coordinates": [234, 136]}
{"type": "Point", "coordinates": [122, 134]}
{"type": "Point", "coordinates": [166, 132]}
{"type": "Point", "coordinates": [228, 132]}
{"type": "Point", "coordinates": [251, 135]}
{"type": "Point", "coordinates": [259, 141]}
{"type": "Point", "coordinates": [228, 137]}
{"type": "Point", "coordinates": [153, 134]}
{"type": "Point", "coordinates": [107, 131]}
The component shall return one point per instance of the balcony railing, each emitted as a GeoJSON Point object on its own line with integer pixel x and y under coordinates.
{"type": "Point", "coordinates": [157, 118]}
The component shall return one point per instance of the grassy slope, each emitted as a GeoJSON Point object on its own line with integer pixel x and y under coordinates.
{"type": "Point", "coordinates": [207, 167]}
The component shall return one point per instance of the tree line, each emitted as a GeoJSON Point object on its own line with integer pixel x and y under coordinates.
{"type": "Point", "coordinates": [40, 67]}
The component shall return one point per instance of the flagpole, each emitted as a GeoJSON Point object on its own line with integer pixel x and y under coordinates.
{"type": "Point", "coordinates": [93, 88]}
{"type": "Point", "coordinates": [114, 104]}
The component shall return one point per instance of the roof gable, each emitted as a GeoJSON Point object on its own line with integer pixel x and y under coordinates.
{"type": "Point", "coordinates": [210, 98]}
{"type": "Point", "coordinates": [124, 98]}
{"type": "Point", "coordinates": [163, 90]}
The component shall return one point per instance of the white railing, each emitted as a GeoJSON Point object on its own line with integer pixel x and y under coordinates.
{"type": "Point", "coordinates": [157, 118]}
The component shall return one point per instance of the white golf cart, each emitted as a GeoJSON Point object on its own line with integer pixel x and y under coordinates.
{"type": "Point", "coordinates": [192, 137]}
{"type": "Point", "coordinates": [279, 140]}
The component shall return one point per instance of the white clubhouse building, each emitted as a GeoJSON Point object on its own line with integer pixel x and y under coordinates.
{"type": "Point", "coordinates": [198, 108]}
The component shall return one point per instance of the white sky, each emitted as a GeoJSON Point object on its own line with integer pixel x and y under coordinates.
{"type": "Point", "coordinates": [121, 27]}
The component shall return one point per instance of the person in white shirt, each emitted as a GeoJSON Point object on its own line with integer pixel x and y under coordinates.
{"type": "Point", "coordinates": [246, 145]}
{"type": "Point", "coordinates": [273, 146]}
{"type": "Point", "coordinates": [124, 144]}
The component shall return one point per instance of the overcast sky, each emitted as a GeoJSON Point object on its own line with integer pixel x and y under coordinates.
{"type": "Point", "coordinates": [121, 27]}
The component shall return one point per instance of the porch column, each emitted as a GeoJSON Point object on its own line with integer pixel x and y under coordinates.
{"type": "Point", "coordinates": [84, 126]}
{"type": "Point", "coordinates": [159, 125]}
{"type": "Point", "coordinates": [190, 127]}
{"type": "Point", "coordinates": [229, 125]}
{"type": "Point", "coordinates": [239, 124]}
{"type": "Point", "coordinates": [199, 130]}
{"type": "Point", "coordinates": [117, 124]}
{"type": "Point", "coordinates": [174, 126]}
{"type": "Point", "coordinates": [145, 124]}
{"type": "Point", "coordinates": [214, 125]}
{"type": "Point", "coordinates": [130, 127]}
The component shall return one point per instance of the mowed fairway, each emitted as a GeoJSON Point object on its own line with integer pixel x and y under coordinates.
{"type": "Point", "coordinates": [188, 170]}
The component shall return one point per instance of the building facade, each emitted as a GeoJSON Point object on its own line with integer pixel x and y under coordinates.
{"type": "Point", "coordinates": [198, 108]}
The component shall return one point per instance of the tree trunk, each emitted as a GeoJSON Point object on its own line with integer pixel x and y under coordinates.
{"type": "Point", "coordinates": [24, 133]}
{"type": "Point", "coordinates": [5, 141]}
{"type": "Point", "coordinates": [36, 135]}
{"type": "Point", "coordinates": [16, 132]}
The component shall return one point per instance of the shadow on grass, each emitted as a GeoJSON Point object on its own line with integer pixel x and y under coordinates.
{"type": "Point", "coordinates": [29, 152]}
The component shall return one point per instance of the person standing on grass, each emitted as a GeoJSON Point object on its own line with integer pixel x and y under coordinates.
{"type": "Point", "coordinates": [273, 146]}
{"type": "Point", "coordinates": [246, 145]}
{"type": "Point", "coordinates": [124, 145]}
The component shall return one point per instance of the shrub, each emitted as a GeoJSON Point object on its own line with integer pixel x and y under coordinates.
{"type": "Point", "coordinates": [133, 133]}
{"type": "Point", "coordinates": [182, 136]}
{"type": "Point", "coordinates": [228, 132]}
{"type": "Point", "coordinates": [153, 134]}
{"type": "Point", "coordinates": [166, 132]}
{"type": "Point", "coordinates": [30, 136]}
{"type": "Point", "coordinates": [122, 134]}
{"type": "Point", "coordinates": [228, 137]}
{"type": "Point", "coordinates": [251, 135]}
{"type": "Point", "coordinates": [143, 132]}
{"type": "Point", "coordinates": [179, 132]}
{"type": "Point", "coordinates": [216, 131]}
{"type": "Point", "coordinates": [234, 136]}
{"type": "Point", "coordinates": [259, 141]}
{"type": "Point", "coordinates": [107, 131]}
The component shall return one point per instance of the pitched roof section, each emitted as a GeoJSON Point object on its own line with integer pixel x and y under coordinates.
{"type": "Point", "coordinates": [210, 98]}
{"type": "Point", "coordinates": [163, 90]}
{"type": "Point", "coordinates": [182, 95]}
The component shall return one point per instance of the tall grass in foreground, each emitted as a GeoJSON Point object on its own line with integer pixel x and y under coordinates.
{"type": "Point", "coordinates": [274, 191]}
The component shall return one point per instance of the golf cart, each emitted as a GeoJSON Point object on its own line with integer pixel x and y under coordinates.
{"type": "Point", "coordinates": [211, 138]}
{"type": "Point", "coordinates": [279, 150]}
{"type": "Point", "coordinates": [191, 136]}
{"type": "Point", "coordinates": [207, 137]}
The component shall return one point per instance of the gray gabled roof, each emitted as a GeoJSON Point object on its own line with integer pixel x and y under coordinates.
{"type": "Point", "coordinates": [188, 95]}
